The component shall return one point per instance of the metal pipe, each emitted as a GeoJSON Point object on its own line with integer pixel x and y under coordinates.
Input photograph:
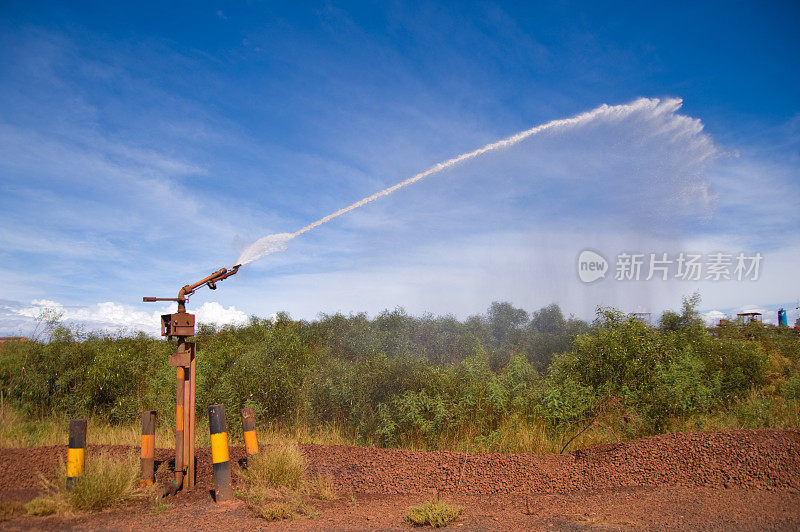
{"type": "Point", "coordinates": [186, 425]}
{"type": "Point", "coordinates": [249, 430]}
{"type": "Point", "coordinates": [148, 447]}
{"type": "Point", "coordinates": [191, 464]}
{"type": "Point", "coordinates": [219, 453]}
{"type": "Point", "coordinates": [219, 275]}
{"type": "Point", "coordinates": [76, 452]}
{"type": "Point", "coordinates": [179, 425]}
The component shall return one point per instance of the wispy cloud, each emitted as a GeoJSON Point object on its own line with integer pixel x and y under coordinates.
{"type": "Point", "coordinates": [136, 159]}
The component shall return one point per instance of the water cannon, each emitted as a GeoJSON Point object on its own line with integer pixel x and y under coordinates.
{"type": "Point", "coordinates": [210, 281]}
{"type": "Point", "coordinates": [181, 326]}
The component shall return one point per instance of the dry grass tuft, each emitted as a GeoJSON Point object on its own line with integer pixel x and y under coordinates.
{"type": "Point", "coordinates": [327, 434]}
{"type": "Point", "coordinates": [10, 510]}
{"type": "Point", "coordinates": [433, 513]}
{"type": "Point", "coordinates": [277, 466]}
{"type": "Point", "coordinates": [18, 431]}
{"type": "Point", "coordinates": [47, 505]}
{"type": "Point", "coordinates": [275, 479]}
{"type": "Point", "coordinates": [275, 511]}
{"type": "Point", "coordinates": [108, 481]}
{"type": "Point", "coordinates": [322, 487]}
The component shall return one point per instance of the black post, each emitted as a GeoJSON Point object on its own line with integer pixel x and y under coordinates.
{"type": "Point", "coordinates": [219, 453]}
{"type": "Point", "coordinates": [76, 453]}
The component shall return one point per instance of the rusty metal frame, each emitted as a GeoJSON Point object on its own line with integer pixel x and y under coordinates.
{"type": "Point", "coordinates": [181, 325]}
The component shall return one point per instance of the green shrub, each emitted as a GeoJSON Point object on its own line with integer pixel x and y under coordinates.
{"type": "Point", "coordinates": [421, 382]}
{"type": "Point", "coordinates": [738, 365]}
{"type": "Point", "coordinates": [756, 411]}
{"type": "Point", "coordinates": [791, 389]}
{"type": "Point", "coordinates": [681, 388]}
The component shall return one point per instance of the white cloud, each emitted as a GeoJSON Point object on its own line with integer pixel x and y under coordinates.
{"type": "Point", "coordinates": [712, 317]}
{"type": "Point", "coordinates": [213, 312]}
{"type": "Point", "coordinates": [111, 315]}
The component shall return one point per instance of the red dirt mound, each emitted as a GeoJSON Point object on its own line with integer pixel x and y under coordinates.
{"type": "Point", "coordinates": [751, 459]}
{"type": "Point", "coordinates": [669, 482]}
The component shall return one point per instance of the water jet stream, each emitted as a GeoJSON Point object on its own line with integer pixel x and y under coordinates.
{"type": "Point", "coordinates": [278, 242]}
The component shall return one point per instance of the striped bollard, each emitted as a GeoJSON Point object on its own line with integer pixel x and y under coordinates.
{"type": "Point", "coordinates": [249, 429]}
{"type": "Point", "coordinates": [219, 453]}
{"type": "Point", "coordinates": [148, 447]}
{"type": "Point", "coordinates": [76, 454]}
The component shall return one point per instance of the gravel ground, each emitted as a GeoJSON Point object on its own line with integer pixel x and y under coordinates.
{"type": "Point", "coordinates": [744, 480]}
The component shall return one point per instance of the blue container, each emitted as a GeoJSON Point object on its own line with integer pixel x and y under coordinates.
{"type": "Point", "coordinates": [782, 318]}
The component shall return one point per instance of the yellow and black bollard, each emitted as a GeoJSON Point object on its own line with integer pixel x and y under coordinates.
{"type": "Point", "coordinates": [148, 447]}
{"type": "Point", "coordinates": [219, 453]}
{"type": "Point", "coordinates": [76, 454]}
{"type": "Point", "coordinates": [249, 429]}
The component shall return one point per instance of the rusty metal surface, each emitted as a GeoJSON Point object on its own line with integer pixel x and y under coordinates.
{"type": "Point", "coordinates": [186, 291]}
{"type": "Point", "coordinates": [180, 359]}
{"type": "Point", "coordinates": [191, 460]}
{"type": "Point", "coordinates": [179, 427]}
{"type": "Point", "coordinates": [211, 281]}
{"type": "Point", "coordinates": [148, 447]}
{"type": "Point", "coordinates": [248, 418]}
{"type": "Point", "coordinates": [178, 324]}
{"type": "Point", "coordinates": [181, 325]}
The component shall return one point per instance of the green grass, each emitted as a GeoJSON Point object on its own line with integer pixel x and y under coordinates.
{"type": "Point", "coordinates": [272, 480]}
{"type": "Point", "coordinates": [434, 512]}
{"type": "Point", "coordinates": [514, 434]}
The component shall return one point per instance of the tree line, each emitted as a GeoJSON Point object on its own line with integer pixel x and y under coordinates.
{"type": "Point", "coordinates": [504, 380]}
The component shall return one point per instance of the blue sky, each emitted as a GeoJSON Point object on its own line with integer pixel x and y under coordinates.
{"type": "Point", "coordinates": [142, 146]}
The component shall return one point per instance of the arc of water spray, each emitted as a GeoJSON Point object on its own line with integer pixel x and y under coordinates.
{"type": "Point", "coordinates": [278, 242]}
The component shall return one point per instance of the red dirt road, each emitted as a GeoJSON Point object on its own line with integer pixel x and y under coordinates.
{"type": "Point", "coordinates": [743, 480]}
